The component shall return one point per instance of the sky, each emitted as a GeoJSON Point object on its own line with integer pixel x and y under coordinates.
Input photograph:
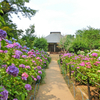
{"type": "Point", "coordinates": [65, 16]}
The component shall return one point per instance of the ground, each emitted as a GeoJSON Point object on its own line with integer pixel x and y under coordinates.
{"type": "Point", "coordinates": [55, 87]}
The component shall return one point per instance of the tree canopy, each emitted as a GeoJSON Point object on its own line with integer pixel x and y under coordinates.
{"type": "Point", "coordinates": [9, 7]}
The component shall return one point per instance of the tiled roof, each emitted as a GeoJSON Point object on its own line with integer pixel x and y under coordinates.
{"type": "Point", "coordinates": [54, 37]}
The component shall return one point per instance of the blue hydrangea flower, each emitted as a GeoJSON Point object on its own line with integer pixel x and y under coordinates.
{"type": "Point", "coordinates": [12, 70]}
{"type": "Point", "coordinates": [13, 38]}
{"type": "Point", "coordinates": [9, 41]}
{"type": "Point", "coordinates": [28, 48]}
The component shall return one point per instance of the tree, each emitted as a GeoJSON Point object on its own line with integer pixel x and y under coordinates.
{"type": "Point", "coordinates": [41, 43]}
{"type": "Point", "coordinates": [14, 7]}
{"type": "Point", "coordinates": [29, 36]}
{"type": "Point", "coordinates": [66, 41]}
{"type": "Point", "coordinates": [91, 36]}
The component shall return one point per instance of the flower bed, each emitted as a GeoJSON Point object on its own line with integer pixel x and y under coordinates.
{"type": "Point", "coordinates": [88, 65]}
{"type": "Point", "coordinates": [20, 67]}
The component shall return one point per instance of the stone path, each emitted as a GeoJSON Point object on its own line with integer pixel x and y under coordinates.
{"type": "Point", "coordinates": [55, 87]}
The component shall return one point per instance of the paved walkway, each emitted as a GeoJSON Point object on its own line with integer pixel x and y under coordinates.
{"type": "Point", "coordinates": [55, 87]}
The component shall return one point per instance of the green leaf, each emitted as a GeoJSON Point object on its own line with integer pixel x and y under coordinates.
{"type": "Point", "coordinates": [23, 97]}
{"type": "Point", "coordinates": [1, 11]}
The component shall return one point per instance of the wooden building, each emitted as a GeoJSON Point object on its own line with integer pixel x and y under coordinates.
{"type": "Point", "coordinates": [53, 39]}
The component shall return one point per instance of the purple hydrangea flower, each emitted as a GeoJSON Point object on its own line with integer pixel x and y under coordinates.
{"type": "Point", "coordinates": [44, 62]}
{"type": "Point", "coordinates": [6, 40]}
{"type": "Point", "coordinates": [12, 70]}
{"type": "Point", "coordinates": [10, 46]}
{"type": "Point", "coordinates": [24, 56]}
{"type": "Point", "coordinates": [0, 45]}
{"type": "Point", "coordinates": [4, 66]}
{"type": "Point", "coordinates": [72, 65]}
{"type": "Point", "coordinates": [16, 44]}
{"type": "Point", "coordinates": [4, 94]}
{"type": "Point", "coordinates": [28, 87]}
{"type": "Point", "coordinates": [40, 72]}
{"type": "Point", "coordinates": [19, 47]}
{"type": "Point", "coordinates": [5, 51]}
{"type": "Point", "coordinates": [22, 65]}
{"type": "Point", "coordinates": [25, 50]}
{"type": "Point", "coordinates": [15, 99]}
{"type": "Point", "coordinates": [34, 55]}
{"type": "Point", "coordinates": [38, 77]}
{"type": "Point", "coordinates": [34, 68]}
{"type": "Point", "coordinates": [32, 76]}
{"type": "Point", "coordinates": [38, 67]}
{"type": "Point", "coordinates": [3, 34]}
{"type": "Point", "coordinates": [16, 56]}
{"type": "Point", "coordinates": [18, 52]}
{"type": "Point", "coordinates": [24, 78]}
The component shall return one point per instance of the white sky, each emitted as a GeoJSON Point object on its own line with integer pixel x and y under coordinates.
{"type": "Point", "coordinates": [65, 16]}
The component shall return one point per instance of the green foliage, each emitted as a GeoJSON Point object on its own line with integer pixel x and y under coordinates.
{"type": "Point", "coordinates": [1, 89]}
{"type": "Point", "coordinates": [1, 18]}
{"type": "Point", "coordinates": [16, 6]}
{"type": "Point", "coordinates": [85, 40]}
{"type": "Point", "coordinates": [15, 85]}
{"type": "Point", "coordinates": [29, 36]}
{"type": "Point", "coordinates": [79, 44]}
{"type": "Point", "coordinates": [41, 43]}
{"type": "Point", "coordinates": [66, 42]}
{"type": "Point", "coordinates": [91, 36]}
{"type": "Point", "coordinates": [9, 7]}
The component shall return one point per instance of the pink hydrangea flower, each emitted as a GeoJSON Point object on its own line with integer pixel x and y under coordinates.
{"type": "Point", "coordinates": [88, 66]}
{"type": "Point", "coordinates": [78, 67]}
{"type": "Point", "coordinates": [88, 63]}
{"type": "Point", "coordinates": [1, 51]}
{"type": "Point", "coordinates": [28, 67]}
{"type": "Point", "coordinates": [38, 58]}
{"type": "Point", "coordinates": [82, 64]}
{"type": "Point", "coordinates": [94, 54]}
{"type": "Point", "coordinates": [25, 74]}
{"type": "Point", "coordinates": [33, 61]}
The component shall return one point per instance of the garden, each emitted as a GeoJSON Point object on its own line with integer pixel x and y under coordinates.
{"type": "Point", "coordinates": [20, 68]}
{"type": "Point", "coordinates": [84, 71]}
{"type": "Point", "coordinates": [80, 62]}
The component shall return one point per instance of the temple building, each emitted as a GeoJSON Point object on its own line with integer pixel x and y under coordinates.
{"type": "Point", "coordinates": [53, 39]}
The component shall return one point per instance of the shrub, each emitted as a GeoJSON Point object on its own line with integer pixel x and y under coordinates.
{"type": "Point", "coordinates": [41, 43]}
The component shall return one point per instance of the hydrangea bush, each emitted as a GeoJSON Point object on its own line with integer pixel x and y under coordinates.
{"type": "Point", "coordinates": [20, 67]}
{"type": "Point", "coordinates": [88, 65]}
